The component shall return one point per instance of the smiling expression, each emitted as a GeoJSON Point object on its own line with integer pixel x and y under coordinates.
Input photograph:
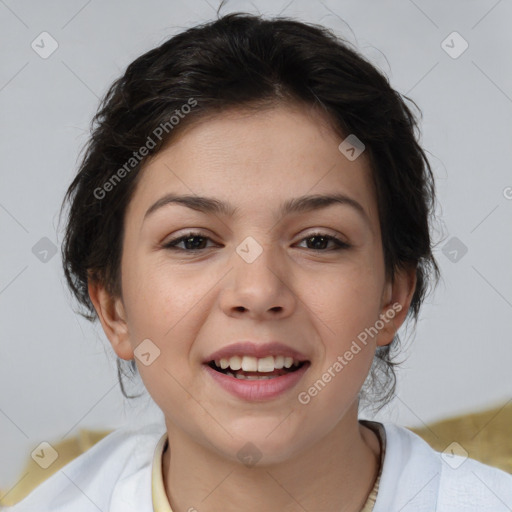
{"type": "Point", "coordinates": [252, 228]}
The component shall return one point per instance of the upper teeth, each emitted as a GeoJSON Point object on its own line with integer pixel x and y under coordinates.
{"type": "Point", "coordinates": [254, 364]}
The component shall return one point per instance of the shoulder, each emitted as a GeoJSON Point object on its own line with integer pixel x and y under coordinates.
{"type": "Point", "coordinates": [473, 486]}
{"type": "Point", "coordinates": [416, 477]}
{"type": "Point", "coordinates": [114, 475]}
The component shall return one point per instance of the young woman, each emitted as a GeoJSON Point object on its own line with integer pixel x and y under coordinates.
{"type": "Point", "coordinates": [250, 224]}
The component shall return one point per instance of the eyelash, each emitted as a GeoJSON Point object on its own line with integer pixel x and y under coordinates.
{"type": "Point", "coordinates": [172, 244]}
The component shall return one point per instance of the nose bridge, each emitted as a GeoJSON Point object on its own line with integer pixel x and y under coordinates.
{"type": "Point", "coordinates": [258, 283]}
{"type": "Point", "coordinates": [256, 260]}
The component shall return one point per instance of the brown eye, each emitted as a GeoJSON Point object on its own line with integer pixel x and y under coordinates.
{"type": "Point", "coordinates": [319, 241]}
{"type": "Point", "coordinates": [195, 241]}
{"type": "Point", "coordinates": [190, 241]}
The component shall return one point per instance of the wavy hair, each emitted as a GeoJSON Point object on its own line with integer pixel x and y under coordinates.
{"type": "Point", "coordinates": [244, 60]}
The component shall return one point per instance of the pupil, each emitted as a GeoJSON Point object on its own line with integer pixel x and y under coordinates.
{"type": "Point", "coordinates": [316, 246]}
{"type": "Point", "coordinates": [194, 246]}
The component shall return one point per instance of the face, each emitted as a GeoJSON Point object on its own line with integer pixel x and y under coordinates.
{"type": "Point", "coordinates": [306, 281]}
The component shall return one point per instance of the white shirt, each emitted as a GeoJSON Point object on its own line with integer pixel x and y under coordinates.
{"type": "Point", "coordinates": [115, 475]}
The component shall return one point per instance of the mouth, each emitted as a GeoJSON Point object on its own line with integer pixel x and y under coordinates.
{"type": "Point", "coordinates": [252, 368]}
{"type": "Point", "coordinates": [256, 379]}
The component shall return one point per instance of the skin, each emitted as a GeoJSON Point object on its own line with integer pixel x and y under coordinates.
{"type": "Point", "coordinates": [315, 456]}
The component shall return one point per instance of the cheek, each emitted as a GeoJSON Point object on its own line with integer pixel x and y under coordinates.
{"type": "Point", "coordinates": [350, 311]}
{"type": "Point", "coordinates": [350, 301]}
{"type": "Point", "coordinates": [158, 296]}
{"type": "Point", "coordinates": [158, 305]}
{"type": "Point", "coordinates": [341, 371]}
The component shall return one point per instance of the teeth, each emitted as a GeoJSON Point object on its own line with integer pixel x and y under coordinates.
{"type": "Point", "coordinates": [253, 364]}
{"type": "Point", "coordinates": [251, 377]}
{"type": "Point", "coordinates": [288, 361]}
{"type": "Point", "coordinates": [249, 364]}
{"type": "Point", "coordinates": [266, 364]}
{"type": "Point", "coordinates": [278, 362]}
{"type": "Point", "coordinates": [235, 363]}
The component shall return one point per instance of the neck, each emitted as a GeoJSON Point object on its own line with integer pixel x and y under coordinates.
{"type": "Point", "coordinates": [336, 473]}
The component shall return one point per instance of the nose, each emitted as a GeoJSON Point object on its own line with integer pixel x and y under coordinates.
{"type": "Point", "coordinates": [259, 286]}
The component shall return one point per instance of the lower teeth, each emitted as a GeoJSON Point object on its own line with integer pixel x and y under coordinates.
{"type": "Point", "coordinates": [250, 377]}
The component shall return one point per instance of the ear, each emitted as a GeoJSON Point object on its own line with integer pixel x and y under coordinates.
{"type": "Point", "coordinates": [112, 316]}
{"type": "Point", "coordinates": [397, 298]}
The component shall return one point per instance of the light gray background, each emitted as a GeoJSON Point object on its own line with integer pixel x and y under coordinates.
{"type": "Point", "coordinates": [57, 373]}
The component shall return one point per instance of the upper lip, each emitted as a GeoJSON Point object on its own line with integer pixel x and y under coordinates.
{"type": "Point", "coordinates": [258, 350]}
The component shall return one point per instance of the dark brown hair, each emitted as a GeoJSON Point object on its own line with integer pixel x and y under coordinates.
{"type": "Point", "coordinates": [242, 60]}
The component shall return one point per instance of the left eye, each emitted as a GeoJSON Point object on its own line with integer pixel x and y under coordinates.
{"type": "Point", "coordinates": [339, 245]}
{"type": "Point", "coordinates": [191, 245]}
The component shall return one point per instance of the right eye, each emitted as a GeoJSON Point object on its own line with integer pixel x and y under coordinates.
{"type": "Point", "coordinates": [190, 241]}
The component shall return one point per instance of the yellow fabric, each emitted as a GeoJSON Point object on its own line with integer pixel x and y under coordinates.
{"type": "Point", "coordinates": [160, 501]}
{"type": "Point", "coordinates": [381, 434]}
{"type": "Point", "coordinates": [32, 474]}
{"type": "Point", "coordinates": [484, 435]}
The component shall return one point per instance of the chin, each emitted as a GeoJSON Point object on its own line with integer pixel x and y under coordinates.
{"type": "Point", "coordinates": [261, 444]}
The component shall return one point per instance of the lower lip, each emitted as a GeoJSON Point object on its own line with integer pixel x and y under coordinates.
{"type": "Point", "coordinates": [257, 390]}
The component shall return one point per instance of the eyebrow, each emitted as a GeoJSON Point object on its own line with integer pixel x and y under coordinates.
{"type": "Point", "coordinates": [302, 204]}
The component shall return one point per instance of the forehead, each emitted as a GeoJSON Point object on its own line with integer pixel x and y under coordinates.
{"type": "Point", "coordinates": [256, 161]}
